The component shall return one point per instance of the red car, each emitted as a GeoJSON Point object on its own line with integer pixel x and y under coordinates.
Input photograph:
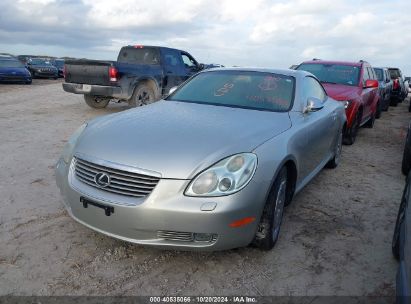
{"type": "Point", "coordinates": [354, 83]}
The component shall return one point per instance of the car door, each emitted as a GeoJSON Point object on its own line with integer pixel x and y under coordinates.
{"type": "Point", "coordinates": [366, 95]}
{"type": "Point", "coordinates": [172, 69]}
{"type": "Point", "coordinates": [320, 127]}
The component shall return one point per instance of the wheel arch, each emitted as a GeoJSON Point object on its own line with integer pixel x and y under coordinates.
{"type": "Point", "coordinates": [149, 81]}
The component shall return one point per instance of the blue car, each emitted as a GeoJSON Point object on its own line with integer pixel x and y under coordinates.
{"type": "Point", "coordinates": [12, 70]}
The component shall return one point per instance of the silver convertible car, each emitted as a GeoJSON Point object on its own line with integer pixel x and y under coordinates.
{"type": "Point", "coordinates": [211, 167]}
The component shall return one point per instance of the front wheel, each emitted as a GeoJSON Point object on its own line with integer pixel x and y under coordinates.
{"type": "Point", "coordinates": [351, 133]}
{"type": "Point", "coordinates": [269, 227]}
{"type": "Point", "coordinates": [96, 102]}
{"type": "Point", "coordinates": [379, 110]}
{"type": "Point", "coordinates": [370, 123]}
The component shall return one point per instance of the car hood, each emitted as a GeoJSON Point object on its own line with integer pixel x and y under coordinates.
{"type": "Point", "coordinates": [177, 139]}
{"type": "Point", "coordinates": [342, 92]}
{"type": "Point", "coordinates": [18, 71]}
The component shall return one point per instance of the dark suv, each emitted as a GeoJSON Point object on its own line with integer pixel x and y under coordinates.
{"type": "Point", "coordinates": [399, 91]}
{"type": "Point", "coordinates": [353, 83]}
{"type": "Point", "coordinates": [384, 89]}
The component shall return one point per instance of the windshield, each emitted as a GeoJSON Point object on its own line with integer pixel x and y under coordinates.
{"type": "Point", "coordinates": [333, 73]}
{"type": "Point", "coordinates": [394, 73]}
{"type": "Point", "coordinates": [139, 55]}
{"type": "Point", "coordinates": [59, 63]}
{"type": "Point", "coordinates": [37, 61]}
{"type": "Point", "coordinates": [11, 64]}
{"type": "Point", "coordinates": [243, 89]}
{"type": "Point", "coordinates": [380, 74]}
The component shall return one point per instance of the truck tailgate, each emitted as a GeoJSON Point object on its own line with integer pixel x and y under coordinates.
{"type": "Point", "coordinates": [88, 71]}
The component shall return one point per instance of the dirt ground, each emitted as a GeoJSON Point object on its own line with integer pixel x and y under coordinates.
{"type": "Point", "coordinates": [335, 239]}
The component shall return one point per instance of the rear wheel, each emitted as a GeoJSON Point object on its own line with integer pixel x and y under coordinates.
{"type": "Point", "coordinates": [142, 95]}
{"type": "Point", "coordinates": [271, 219]}
{"type": "Point", "coordinates": [96, 102]}
{"type": "Point", "coordinates": [394, 102]}
{"type": "Point", "coordinates": [351, 133]}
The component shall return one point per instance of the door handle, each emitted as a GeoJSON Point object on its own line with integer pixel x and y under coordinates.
{"type": "Point", "coordinates": [169, 72]}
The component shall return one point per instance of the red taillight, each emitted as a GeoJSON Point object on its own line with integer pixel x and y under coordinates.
{"type": "Point", "coordinates": [113, 73]}
{"type": "Point", "coordinates": [138, 46]}
{"type": "Point", "coordinates": [396, 84]}
{"type": "Point", "coordinates": [64, 71]}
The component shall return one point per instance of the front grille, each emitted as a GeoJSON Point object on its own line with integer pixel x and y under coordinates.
{"type": "Point", "coordinates": [175, 236]}
{"type": "Point", "coordinates": [120, 181]}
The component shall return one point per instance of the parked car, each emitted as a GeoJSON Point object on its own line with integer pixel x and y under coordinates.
{"type": "Point", "coordinates": [141, 75]}
{"type": "Point", "coordinates": [211, 167]}
{"type": "Point", "coordinates": [399, 91]}
{"type": "Point", "coordinates": [384, 89]}
{"type": "Point", "coordinates": [41, 68]}
{"type": "Point", "coordinates": [401, 245]}
{"type": "Point", "coordinates": [59, 64]}
{"type": "Point", "coordinates": [12, 70]}
{"type": "Point", "coordinates": [401, 241]}
{"type": "Point", "coordinates": [353, 83]}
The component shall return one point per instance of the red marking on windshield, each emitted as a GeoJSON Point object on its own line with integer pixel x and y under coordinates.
{"type": "Point", "coordinates": [269, 83]}
{"type": "Point", "coordinates": [224, 89]}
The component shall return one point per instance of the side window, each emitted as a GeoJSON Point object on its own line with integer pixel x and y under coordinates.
{"type": "Point", "coordinates": [371, 73]}
{"type": "Point", "coordinates": [365, 76]}
{"type": "Point", "coordinates": [313, 88]}
{"type": "Point", "coordinates": [171, 58]}
{"type": "Point", "coordinates": [189, 62]}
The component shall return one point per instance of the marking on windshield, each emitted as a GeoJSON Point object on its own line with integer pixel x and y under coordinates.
{"type": "Point", "coordinates": [224, 89]}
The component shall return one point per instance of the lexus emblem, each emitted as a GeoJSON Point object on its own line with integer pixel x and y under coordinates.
{"type": "Point", "coordinates": [102, 179]}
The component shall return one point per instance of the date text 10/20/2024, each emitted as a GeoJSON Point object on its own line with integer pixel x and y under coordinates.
{"type": "Point", "coordinates": [203, 299]}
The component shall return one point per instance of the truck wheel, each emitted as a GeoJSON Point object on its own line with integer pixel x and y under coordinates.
{"type": "Point", "coordinates": [96, 102]}
{"type": "Point", "coordinates": [143, 95]}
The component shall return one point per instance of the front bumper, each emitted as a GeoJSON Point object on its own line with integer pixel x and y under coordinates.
{"type": "Point", "coordinates": [45, 74]}
{"type": "Point", "coordinates": [15, 78]}
{"type": "Point", "coordinates": [166, 211]}
{"type": "Point", "coordinates": [97, 90]}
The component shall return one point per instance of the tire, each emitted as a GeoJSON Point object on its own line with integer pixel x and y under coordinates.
{"type": "Point", "coordinates": [143, 95]}
{"type": "Point", "coordinates": [351, 133]}
{"type": "Point", "coordinates": [394, 102]}
{"type": "Point", "coordinates": [334, 162]}
{"type": "Point", "coordinates": [268, 229]}
{"type": "Point", "coordinates": [96, 102]}
{"type": "Point", "coordinates": [396, 238]}
{"type": "Point", "coordinates": [379, 110]}
{"type": "Point", "coordinates": [28, 82]}
{"type": "Point", "coordinates": [371, 121]}
{"type": "Point", "coordinates": [409, 107]}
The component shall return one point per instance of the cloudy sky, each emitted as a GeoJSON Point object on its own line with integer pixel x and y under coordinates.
{"type": "Point", "coordinates": [231, 32]}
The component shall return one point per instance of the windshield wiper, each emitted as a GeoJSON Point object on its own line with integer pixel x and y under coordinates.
{"type": "Point", "coordinates": [329, 82]}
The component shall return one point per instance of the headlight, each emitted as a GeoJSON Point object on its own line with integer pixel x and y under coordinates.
{"type": "Point", "coordinates": [69, 147]}
{"type": "Point", "coordinates": [225, 177]}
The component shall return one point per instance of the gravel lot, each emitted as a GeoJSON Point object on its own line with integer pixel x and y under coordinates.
{"type": "Point", "coordinates": [335, 237]}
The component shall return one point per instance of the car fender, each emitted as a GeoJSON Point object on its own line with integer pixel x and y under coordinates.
{"type": "Point", "coordinates": [138, 81]}
{"type": "Point", "coordinates": [352, 110]}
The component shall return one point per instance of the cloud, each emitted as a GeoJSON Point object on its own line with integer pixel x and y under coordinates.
{"type": "Point", "coordinates": [258, 33]}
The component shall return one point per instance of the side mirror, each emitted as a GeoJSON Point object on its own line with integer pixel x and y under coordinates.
{"type": "Point", "coordinates": [313, 105]}
{"type": "Point", "coordinates": [371, 83]}
{"type": "Point", "coordinates": [172, 90]}
{"type": "Point", "coordinates": [201, 66]}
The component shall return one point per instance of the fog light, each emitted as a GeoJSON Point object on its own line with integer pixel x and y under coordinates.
{"type": "Point", "coordinates": [203, 237]}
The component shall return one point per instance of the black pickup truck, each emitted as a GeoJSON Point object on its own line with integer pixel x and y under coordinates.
{"type": "Point", "coordinates": [141, 75]}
